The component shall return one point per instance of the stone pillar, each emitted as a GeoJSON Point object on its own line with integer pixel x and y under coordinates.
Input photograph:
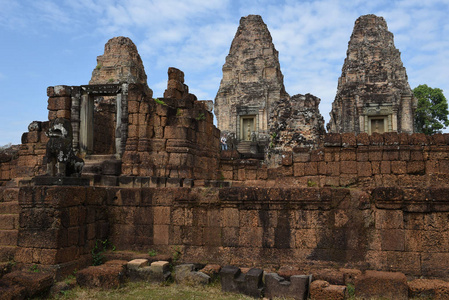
{"type": "Point", "coordinates": [86, 124]}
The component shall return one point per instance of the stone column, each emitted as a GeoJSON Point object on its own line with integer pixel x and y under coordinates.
{"type": "Point", "coordinates": [86, 124]}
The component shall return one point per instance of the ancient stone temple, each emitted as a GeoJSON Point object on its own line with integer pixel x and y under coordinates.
{"type": "Point", "coordinates": [252, 82]}
{"type": "Point", "coordinates": [252, 106]}
{"type": "Point", "coordinates": [373, 93]}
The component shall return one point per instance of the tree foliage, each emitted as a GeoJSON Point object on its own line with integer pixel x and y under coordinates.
{"type": "Point", "coordinates": [431, 115]}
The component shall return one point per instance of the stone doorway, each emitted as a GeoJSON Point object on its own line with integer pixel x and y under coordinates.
{"type": "Point", "coordinates": [104, 122]}
{"type": "Point", "coordinates": [377, 124]}
{"type": "Point", "coordinates": [247, 127]}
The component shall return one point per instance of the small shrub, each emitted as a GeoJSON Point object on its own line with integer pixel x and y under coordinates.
{"type": "Point", "coordinates": [111, 80]}
{"type": "Point", "coordinates": [311, 183]}
{"type": "Point", "coordinates": [98, 67]}
{"type": "Point", "coordinates": [176, 255]}
{"type": "Point", "coordinates": [350, 290]}
{"type": "Point", "coordinates": [152, 252]}
{"type": "Point", "coordinates": [35, 269]}
{"type": "Point", "coordinates": [178, 112]}
{"type": "Point", "coordinates": [98, 251]}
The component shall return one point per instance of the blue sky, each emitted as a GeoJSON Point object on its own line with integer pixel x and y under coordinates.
{"type": "Point", "coordinates": [53, 42]}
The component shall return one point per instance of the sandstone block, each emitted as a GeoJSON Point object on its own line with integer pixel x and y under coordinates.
{"type": "Point", "coordinates": [428, 289]}
{"type": "Point", "coordinates": [211, 270]}
{"type": "Point", "coordinates": [59, 103]}
{"type": "Point", "coordinates": [104, 276]}
{"type": "Point", "coordinates": [186, 274]}
{"type": "Point", "coordinates": [391, 285]}
{"type": "Point", "coordinates": [59, 91]}
{"type": "Point", "coordinates": [35, 283]}
{"type": "Point", "coordinates": [234, 281]}
{"type": "Point", "coordinates": [322, 290]}
{"type": "Point", "coordinates": [66, 114]}
{"type": "Point", "coordinates": [277, 286]}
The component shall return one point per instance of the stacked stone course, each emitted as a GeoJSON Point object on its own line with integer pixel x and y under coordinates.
{"type": "Point", "coordinates": [388, 159]}
{"type": "Point", "coordinates": [170, 137]}
{"type": "Point", "coordinates": [388, 229]}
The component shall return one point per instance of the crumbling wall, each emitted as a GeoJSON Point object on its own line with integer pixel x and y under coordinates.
{"type": "Point", "coordinates": [296, 121]}
{"type": "Point", "coordinates": [59, 226]}
{"type": "Point", "coordinates": [385, 228]}
{"type": "Point", "coordinates": [170, 137]}
{"type": "Point", "coordinates": [8, 163]}
{"type": "Point", "coordinates": [388, 159]}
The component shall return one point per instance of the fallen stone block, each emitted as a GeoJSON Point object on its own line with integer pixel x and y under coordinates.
{"type": "Point", "coordinates": [186, 274]}
{"type": "Point", "coordinates": [107, 276]}
{"type": "Point", "coordinates": [296, 288]}
{"type": "Point", "coordinates": [323, 290]}
{"type": "Point", "coordinates": [390, 285]}
{"type": "Point", "coordinates": [12, 292]}
{"type": "Point", "coordinates": [138, 269]}
{"type": "Point", "coordinates": [288, 271]}
{"type": "Point", "coordinates": [211, 270]}
{"type": "Point", "coordinates": [428, 289]}
{"type": "Point", "coordinates": [34, 283]}
{"type": "Point", "coordinates": [233, 280]}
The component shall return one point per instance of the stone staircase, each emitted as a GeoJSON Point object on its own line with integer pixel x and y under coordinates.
{"type": "Point", "coordinates": [101, 164]}
{"type": "Point", "coordinates": [9, 222]}
{"type": "Point", "coordinates": [244, 147]}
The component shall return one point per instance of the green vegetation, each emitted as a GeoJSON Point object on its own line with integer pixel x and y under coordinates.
{"type": "Point", "coordinates": [152, 252]}
{"type": "Point", "coordinates": [311, 183]}
{"type": "Point", "coordinates": [201, 117]}
{"type": "Point", "coordinates": [176, 255]}
{"type": "Point", "coordinates": [98, 67]}
{"type": "Point", "coordinates": [431, 113]}
{"type": "Point", "coordinates": [99, 250]}
{"type": "Point", "coordinates": [178, 112]}
{"type": "Point", "coordinates": [111, 80]}
{"type": "Point", "coordinates": [35, 268]}
{"type": "Point", "coordinates": [350, 291]}
{"type": "Point", "coordinates": [161, 102]}
{"type": "Point", "coordinates": [143, 290]}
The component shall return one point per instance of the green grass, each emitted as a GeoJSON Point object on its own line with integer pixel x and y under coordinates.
{"type": "Point", "coordinates": [143, 290]}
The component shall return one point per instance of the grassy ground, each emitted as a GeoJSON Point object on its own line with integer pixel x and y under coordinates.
{"type": "Point", "coordinates": [142, 290]}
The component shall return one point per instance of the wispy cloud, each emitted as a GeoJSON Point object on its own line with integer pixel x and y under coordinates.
{"type": "Point", "coordinates": [195, 36]}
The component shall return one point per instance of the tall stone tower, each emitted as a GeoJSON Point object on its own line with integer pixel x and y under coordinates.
{"type": "Point", "coordinates": [373, 93]}
{"type": "Point", "coordinates": [252, 82]}
{"type": "Point", "coordinates": [120, 63]}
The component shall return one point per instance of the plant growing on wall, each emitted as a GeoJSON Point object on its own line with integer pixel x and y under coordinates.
{"type": "Point", "coordinates": [99, 250]}
{"type": "Point", "coordinates": [159, 101]}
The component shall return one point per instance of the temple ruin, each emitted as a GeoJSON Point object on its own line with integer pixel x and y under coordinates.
{"type": "Point", "coordinates": [373, 94]}
{"type": "Point", "coordinates": [251, 91]}
{"type": "Point", "coordinates": [368, 207]}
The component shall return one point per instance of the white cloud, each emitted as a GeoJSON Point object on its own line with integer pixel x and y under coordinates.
{"type": "Point", "coordinates": [195, 36]}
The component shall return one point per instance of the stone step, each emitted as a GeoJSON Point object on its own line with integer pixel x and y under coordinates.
{"type": "Point", "coordinates": [99, 157]}
{"type": "Point", "coordinates": [10, 207]}
{"type": "Point", "coordinates": [102, 164]}
{"type": "Point", "coordinates": [9, 221]}
{"type": "Point", "coordinates": [8, 237]}
{"type": "Point", "coordinates": [7, 253]}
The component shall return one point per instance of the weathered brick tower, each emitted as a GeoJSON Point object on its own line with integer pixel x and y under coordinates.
{"type": "Point", "coordinates": [252, 104]}
{"type": "Point", "coordinates": [373, 93]}
{"type": "Point", "coordinates": [252, 81]}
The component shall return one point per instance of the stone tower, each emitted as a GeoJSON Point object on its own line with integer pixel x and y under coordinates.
{"type": "Point", "coordinates": [120, 63]}
{"type": "Point", "coordinates": [252, 82]}
{"type": "Point", "coordinates": [373, 93]}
